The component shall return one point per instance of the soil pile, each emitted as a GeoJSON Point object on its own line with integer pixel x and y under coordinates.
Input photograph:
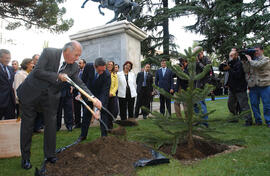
{"type": "Point", "coordinates": [202, 149]}
{"type": "Point", "coordinates": [106, 156]}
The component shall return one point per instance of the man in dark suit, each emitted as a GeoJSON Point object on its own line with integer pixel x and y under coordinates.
{"type": "Point", "coordinates": [144, 83]}
{"type": "Point", "coordinates": [77, 104]}
{"type": "Point", "coordinates": [7, 98]}
{"type": "Point", "coordinates": [98, 80]}
{"type": "Point", "coordinates": [42, 88]}
{"type": "Point", "coordinates": [66, 104]}
{"type": "Point", "coordinates": [164, 79]}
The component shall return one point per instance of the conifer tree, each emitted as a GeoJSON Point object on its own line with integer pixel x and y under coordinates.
{"type": "Point", "coordinates": [182, 128]}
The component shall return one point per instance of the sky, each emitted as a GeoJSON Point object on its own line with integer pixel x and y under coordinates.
{"type": "Point", "coordinates": [26, 43]}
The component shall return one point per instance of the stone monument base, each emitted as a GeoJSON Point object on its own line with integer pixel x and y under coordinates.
{"type": "Point", "coordinates": [118, 41]}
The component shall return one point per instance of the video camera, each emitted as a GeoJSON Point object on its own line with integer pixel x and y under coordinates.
{"type": "Point", "coordinates": [244, 52]}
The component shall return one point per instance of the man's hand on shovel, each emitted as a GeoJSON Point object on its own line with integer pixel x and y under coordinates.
{"type": "Point", "coordinates": [97, 103]}
{"type": "Point", "coordinates": [96, 114]}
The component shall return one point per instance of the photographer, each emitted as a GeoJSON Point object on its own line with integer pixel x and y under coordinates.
{"type": "Point", "coordinates": [257, 71]}
{"type": "Point", "coordinates": [237, 85]}
{"type": "Point", "coordinates": [202, 61]}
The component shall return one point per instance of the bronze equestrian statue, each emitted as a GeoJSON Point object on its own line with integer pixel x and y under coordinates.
{"type": "Point", "coordinates": [130, 10]}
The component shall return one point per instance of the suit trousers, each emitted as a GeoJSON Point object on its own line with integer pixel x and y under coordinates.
{"type": "Point", "coordinates": [126, 104]}
{"type": "Point", "coordinates": [164, 100]}
{"type": "Point", "coordinates": [8, 112]}
{"type": "Point", "coordinates": [143, 99]}
{"type": "Point", "coordinates": [48, 103]}
{"type": "Point", "coordinates": [113, 108]}
{"type": "Point", "coordinates": [241, 99]}
{"type": "Point", "coordinates": [66, 104]}
{"type": "Point", "coordinates": [77, 112]}
{"type": "Point", "coordinates": [87, 116]}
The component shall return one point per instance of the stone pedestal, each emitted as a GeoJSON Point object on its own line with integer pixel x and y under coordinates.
{"type": "Point", "coordinates": [118, 41]}
{"type": "Point", "coordinates": [10, 138]}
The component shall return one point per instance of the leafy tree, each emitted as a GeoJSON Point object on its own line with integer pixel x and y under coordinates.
{"type": "Point", "coordinates": [45, 14]}
{"type": "Point", "coordinates": [226, 24]}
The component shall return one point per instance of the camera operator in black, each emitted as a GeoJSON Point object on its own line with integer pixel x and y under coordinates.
{"type": "Point", "coordinates": [237, 85]}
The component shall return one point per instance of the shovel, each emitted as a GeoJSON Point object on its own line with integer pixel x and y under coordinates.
{"type": "Point", "coordinates": [92, 112]}
{"type": "Point", "coordinates": [119, 122]}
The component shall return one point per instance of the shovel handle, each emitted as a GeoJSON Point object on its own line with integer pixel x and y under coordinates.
{"type": "Point", "coordinates": [79, 89]}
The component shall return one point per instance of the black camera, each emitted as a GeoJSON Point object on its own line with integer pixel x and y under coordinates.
{"type": "Point", "coordinates": [244, 52]}
{"type": "Point", "coordinates": [224, 64]}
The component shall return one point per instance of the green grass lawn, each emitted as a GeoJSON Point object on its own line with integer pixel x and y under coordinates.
{"type": "Point", "coordinates": [254, 160]}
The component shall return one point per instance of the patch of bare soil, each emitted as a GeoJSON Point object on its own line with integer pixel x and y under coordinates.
{"type": "Point", "coordinates": [202, 149]}
{"type": "Point", "coordinates": [106, 156]}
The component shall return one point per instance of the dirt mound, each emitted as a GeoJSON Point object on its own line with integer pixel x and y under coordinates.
{"type": "Point", "coordinates": [202, 149]}
{"type": "Point", "coordinates": [106, 156]}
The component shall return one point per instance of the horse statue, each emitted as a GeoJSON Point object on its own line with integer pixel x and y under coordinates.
{"type": "Point", "coordinates": [130, 10]}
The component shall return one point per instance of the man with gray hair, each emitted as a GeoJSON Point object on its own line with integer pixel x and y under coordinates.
{"type": "Point", "coordinates": [42, 89]}
{"type": "Point", "coordinates": [7, 98]}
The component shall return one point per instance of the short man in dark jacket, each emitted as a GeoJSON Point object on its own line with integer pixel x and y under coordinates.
{"type": "Point", "coordinates": [144, 83]}
{"type": "Point", "coordinates": [237, 85]}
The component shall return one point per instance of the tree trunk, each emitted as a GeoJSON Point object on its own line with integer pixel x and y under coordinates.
{"type": "Point", "coordinates": [166, 34]}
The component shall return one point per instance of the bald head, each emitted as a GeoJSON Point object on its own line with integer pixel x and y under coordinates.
{"type": "Point", "coordinates": [72, 51]}
{"type": "Point", "coordinates": [233, 54]}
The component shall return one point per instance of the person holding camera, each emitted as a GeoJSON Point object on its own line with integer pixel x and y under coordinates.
{"type": "Point", "coordinates": [202, 61]}
{"type": "Point", "coordinates": [257, 71]}
{"type": "Point", "coordinates": [237, 85]}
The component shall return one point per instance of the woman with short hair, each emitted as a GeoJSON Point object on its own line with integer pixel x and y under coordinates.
{"type": "Point", "coordinates": [26, 67]}
{"type": "Point", "coordinates": [126, 90]}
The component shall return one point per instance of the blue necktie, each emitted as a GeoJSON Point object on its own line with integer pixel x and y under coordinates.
{"type": "Point", "coordinates": [144, 80]}
{"type": "Point", "coordinates": [96, 76]}
{"type": "Point", "coordinates": [80, 74]}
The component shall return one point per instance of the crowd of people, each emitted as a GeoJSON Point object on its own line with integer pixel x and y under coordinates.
{"type": "Point", "coordinates": [38, 91]}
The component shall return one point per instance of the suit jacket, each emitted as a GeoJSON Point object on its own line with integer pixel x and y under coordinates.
{"type": "Point", "coordinates": [140, 79]}
{"type": "Point", "coordinates": [166, 81]}
{"type": "Point", "coordinates": [6, 90]}
{"type": "Point", "coordinates": [44, 77]}
{"type": "Point", "coordinates": [101, 86]}
{"type": "Point", "coordinates": [122, 84]}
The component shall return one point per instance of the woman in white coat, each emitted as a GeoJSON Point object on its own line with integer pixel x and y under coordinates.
{"type": "Point", "coordinates": [126, 90]}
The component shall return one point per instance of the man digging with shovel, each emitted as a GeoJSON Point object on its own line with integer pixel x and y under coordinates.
{"type": "Point", "coordinates": [42, 88]}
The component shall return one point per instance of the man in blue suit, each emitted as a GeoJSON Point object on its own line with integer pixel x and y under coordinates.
{"type": "Point", "coordinates": [98, 81]}
{"type": "Point", "coordinates": [164, 79]}
{"type": "Point", "coordinates": [7, 98]}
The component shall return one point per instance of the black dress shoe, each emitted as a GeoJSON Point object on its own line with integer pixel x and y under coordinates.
{"type": "Point", "coordinates": [26, 164]}
{"type": "Point", "coordinates": [51, 160]}
{"type": "Point", "coordinates": [258, 124]}
{"type": "Point", "coordinates": [81, 138]}
{"type": "Point", "coordinates": [77, 125]}
{"type": "Point", "coordinates": [248, 123]}
{"type": "Point", "coordinates": [69, 128]}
